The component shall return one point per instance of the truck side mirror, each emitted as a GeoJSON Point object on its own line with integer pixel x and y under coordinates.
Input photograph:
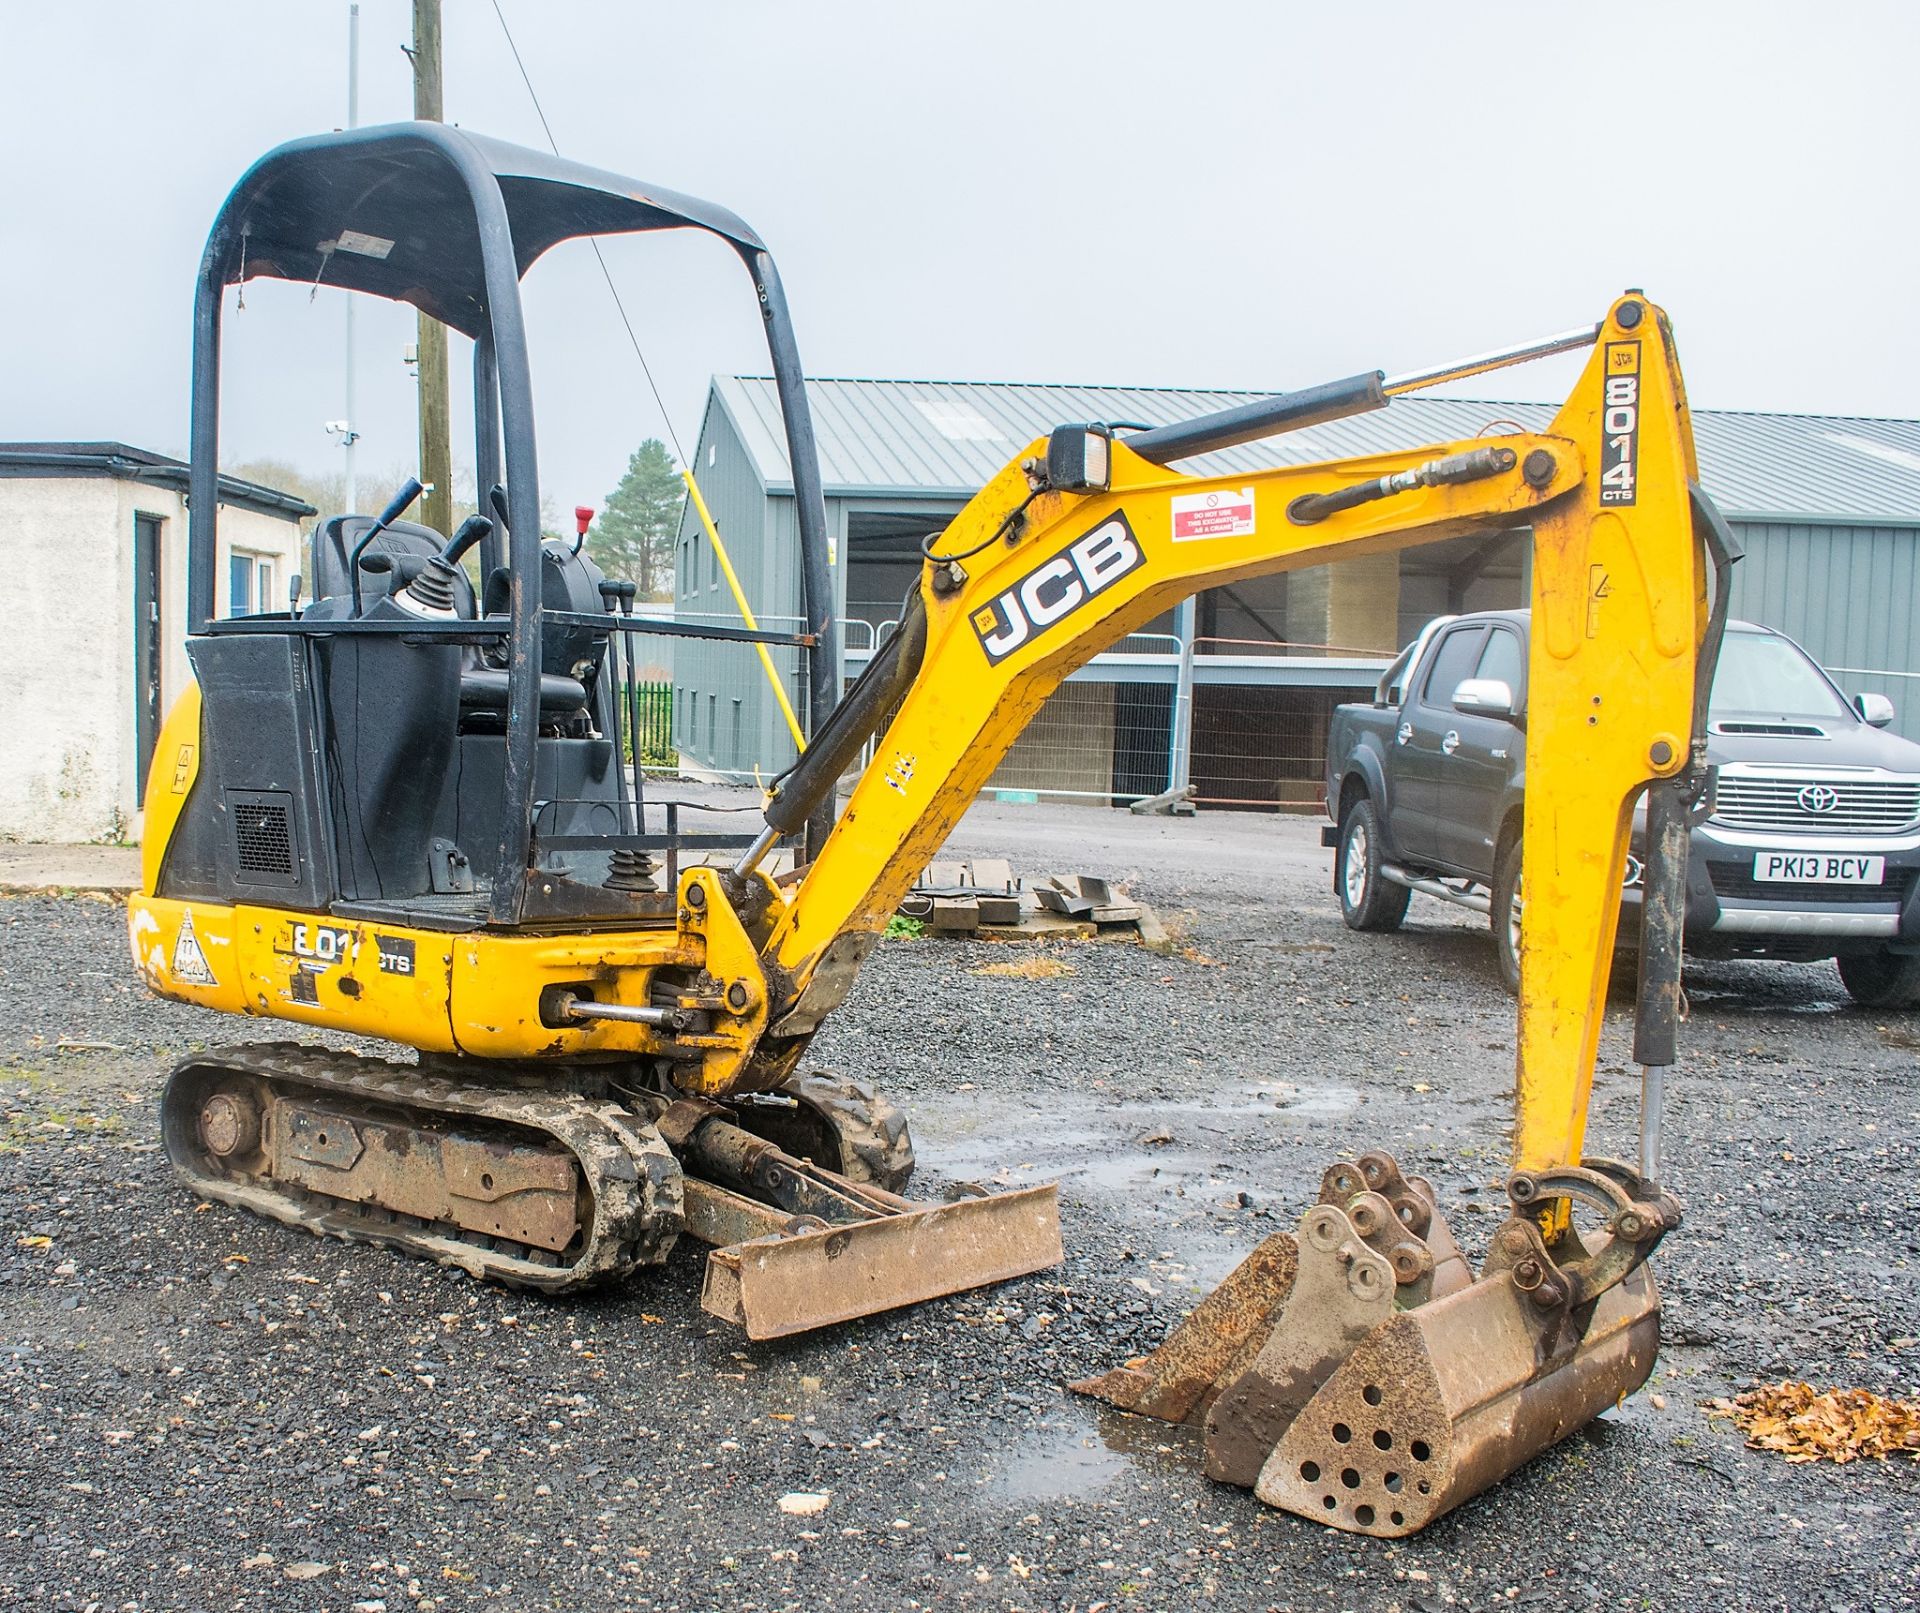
{"type": "Point", "coordinates": [1876, 710]}
{"type": "Point", "coordinates": [1484, 697]}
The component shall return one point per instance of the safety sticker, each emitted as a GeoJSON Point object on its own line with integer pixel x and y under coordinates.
{"type": "Point", "coordinates": [367, 246]}
{"type": "Point", "coordinates": [189, 962]}
{"type": "Point", "coordinates": [900, 775]}
{"type": "Point", "coordinates": [1212, 515]}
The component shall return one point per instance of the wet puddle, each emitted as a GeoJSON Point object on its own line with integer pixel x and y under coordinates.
{"type": "Point", "coordinates": [969, 1140]}
{"type": "Point", "coordinates": [1082, 1450]}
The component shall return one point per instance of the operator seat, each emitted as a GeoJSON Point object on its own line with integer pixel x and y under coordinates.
{"type": "Point", "coordinates": [571, 657]}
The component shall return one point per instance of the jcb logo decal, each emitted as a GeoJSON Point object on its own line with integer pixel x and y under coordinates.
{"type": "Point", "coordinates": [1056, 588]}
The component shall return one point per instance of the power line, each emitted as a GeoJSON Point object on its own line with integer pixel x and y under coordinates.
{"type": "Point", "coordinates": [553, 145]}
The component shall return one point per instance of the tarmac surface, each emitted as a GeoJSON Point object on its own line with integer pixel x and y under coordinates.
{"type": "Point", "coordinates": [198, 1410]}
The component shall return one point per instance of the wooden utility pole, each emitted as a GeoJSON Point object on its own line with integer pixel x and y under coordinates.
{"type": "Point", "coordinates": [436, 426]}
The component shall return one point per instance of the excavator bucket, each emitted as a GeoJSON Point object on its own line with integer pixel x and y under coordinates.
{"type": "Point", "coordinates": [1356, 1373]}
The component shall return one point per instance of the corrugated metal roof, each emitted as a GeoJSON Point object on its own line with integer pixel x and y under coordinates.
{"type": "Point", "coordinates": [948, 437]}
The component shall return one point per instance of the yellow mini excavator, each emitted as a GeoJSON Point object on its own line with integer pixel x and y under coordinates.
{"type": "Point", "coordinates": [405, 812]}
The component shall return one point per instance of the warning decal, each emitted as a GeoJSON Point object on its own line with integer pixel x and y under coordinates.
{"type": "Point", "coordinates": [189, 962]}
{"type": "Point", "coordinates": [1222, 514]}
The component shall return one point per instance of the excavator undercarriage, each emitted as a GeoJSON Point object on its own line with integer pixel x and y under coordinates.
{"type": "Point", "coordinates": [557, 1182]}
{"type": "Point", "coordinates": [413, 810]}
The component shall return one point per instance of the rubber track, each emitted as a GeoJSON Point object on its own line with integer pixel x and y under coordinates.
{"type": "Point", "coordinates": [631, 1175]}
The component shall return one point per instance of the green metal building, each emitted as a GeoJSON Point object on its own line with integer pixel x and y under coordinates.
{"type": "Point", "coordinates": [1828, 507]}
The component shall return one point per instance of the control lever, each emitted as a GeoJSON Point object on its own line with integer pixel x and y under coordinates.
{"type": "Point", "coordinates": [475, 529]}
{"type": "Point", "coordinates": [396, 507]}
{"type": "Point", "coordinates": [431, 590]}
{"type": "Point", "coordinates": [497, 498]}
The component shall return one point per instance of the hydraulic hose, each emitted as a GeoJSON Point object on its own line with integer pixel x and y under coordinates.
{"type": "Point", "coordinates": [852, 723]}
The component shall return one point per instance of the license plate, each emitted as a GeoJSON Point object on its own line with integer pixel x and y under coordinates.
{"type": "Point", "coordinates": [1818, 868]}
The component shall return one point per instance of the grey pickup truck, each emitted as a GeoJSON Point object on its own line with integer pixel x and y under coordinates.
{"type": "Point", "coordinates": [1811, 850]}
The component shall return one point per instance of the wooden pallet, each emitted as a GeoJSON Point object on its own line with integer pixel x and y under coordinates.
{"type": "Point", "coordinates": [982, 897]}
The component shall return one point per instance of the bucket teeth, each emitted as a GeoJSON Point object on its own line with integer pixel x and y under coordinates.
{"type": "Point", "coordinates": [1179, 1381]}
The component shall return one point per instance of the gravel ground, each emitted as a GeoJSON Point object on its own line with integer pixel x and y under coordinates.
{"type": "Point", "coordinates": [200, 1411]}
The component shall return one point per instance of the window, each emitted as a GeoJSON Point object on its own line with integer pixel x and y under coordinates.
{"type": "Point", "coordinates": [1502, 659]}
{"type": "Point", "coordinates": [1762, 675]}
{"type": "Point", "coordinates": [250, 583]}
{"type": "Point", "coordinates": [1453, 664]}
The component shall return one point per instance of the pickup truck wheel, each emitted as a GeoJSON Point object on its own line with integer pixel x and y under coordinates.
{"type": "Point", "coordinates": [1881, 979]}
{"type": "Point", "coordinates": [1368, 900]}
{"type": "Point", "coordinates": [1504, 917]}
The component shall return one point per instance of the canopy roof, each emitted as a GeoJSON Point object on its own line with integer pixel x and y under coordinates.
{"type": "Point", "coordinates": [359, 209]}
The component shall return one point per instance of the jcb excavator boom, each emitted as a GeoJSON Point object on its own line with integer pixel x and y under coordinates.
{"type": "Point", "coordinates": [405, 812]}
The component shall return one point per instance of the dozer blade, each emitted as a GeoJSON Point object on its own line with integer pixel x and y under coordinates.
{"type": "Point", "coordinates": [799, 1246]}
{"type": "Point", "coordinates": [795, 1277]}
{"type": "Point", "coordinates": [1356, 1373]}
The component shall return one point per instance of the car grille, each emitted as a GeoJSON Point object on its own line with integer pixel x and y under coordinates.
{"type": "Point", "coordinates": [1851, 805]}
{"type": "Point", "coordinates": [1740, 885]}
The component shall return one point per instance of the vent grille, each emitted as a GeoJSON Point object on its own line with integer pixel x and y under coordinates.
{"type": "Point", "coordinates": [1833, 805]}
{"type": "Point", "coordinates": [263, 846]}
{"type": "Point", "coordinates": [1772, 730]}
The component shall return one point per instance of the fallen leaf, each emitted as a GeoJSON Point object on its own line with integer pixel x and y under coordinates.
{"type": "Point", "coordinates": [1835, 1425]}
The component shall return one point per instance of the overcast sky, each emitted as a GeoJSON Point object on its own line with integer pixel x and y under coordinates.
{"type": "Point", "coordinates": [1206, 194]}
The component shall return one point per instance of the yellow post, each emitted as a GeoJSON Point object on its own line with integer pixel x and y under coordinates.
{"type": "Point", "coordinates": [746, 610]}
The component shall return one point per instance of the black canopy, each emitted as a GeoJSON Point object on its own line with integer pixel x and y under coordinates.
{"type": "Point", "coordinates": [449, 221]}
{"type": "Point", "coordinates": [362, 211]}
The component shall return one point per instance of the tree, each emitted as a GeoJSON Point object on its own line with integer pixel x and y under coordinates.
{"type": "Point", "coordinates": [634, 535]}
